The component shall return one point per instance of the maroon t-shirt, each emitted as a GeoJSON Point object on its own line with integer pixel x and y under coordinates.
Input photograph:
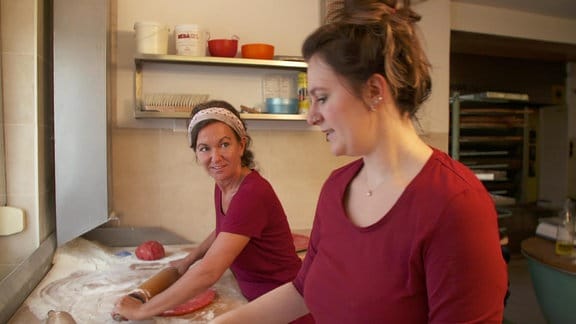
{"type": "Point", "coordinates": [434, 257]}
{"type": "Point", "coordinates": [269, 260]}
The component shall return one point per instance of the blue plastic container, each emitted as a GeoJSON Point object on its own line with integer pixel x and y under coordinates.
{"type": "Point", "coordinates": [282, 105]}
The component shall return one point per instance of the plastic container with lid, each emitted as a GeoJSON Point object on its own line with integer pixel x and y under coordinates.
{"type": "Point", "coordinates": [189, 40]}
{"type": "Point", "coordinates": [151, 37]}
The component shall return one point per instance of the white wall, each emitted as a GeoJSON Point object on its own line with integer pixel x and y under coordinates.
{"type": "Point", "coordinates": [284, 23]}
{"type": "Point", "coordinates": [435, 27]}
{"type": "Point", "coordinates": [553, 142]}
{"type": "Point", "coordinates": [141, 175]}
{"type": "Point", "coordinates": [505, 22]}
{"type": "Point", "coordinates": [155, 181]}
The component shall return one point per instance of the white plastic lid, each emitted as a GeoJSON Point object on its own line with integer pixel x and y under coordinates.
{"type": "Point", "coordinates": [148, 23]}
{"type": "Point", "coordinates": [186, 27]}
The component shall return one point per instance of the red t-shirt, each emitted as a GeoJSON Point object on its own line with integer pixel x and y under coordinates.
{"type": "Point", "coordinates": [269, 260]}
{"type": "Point", "coordinates": [435, 257]}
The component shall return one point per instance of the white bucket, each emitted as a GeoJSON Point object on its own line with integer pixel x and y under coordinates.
{"type": "Point", "coordinates": [189, 40]}
{"type": "Point", "coordinates": [151, 38]}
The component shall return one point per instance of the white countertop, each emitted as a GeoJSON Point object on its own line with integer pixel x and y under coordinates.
{"type": "Point", "coordinates": [87, 278]}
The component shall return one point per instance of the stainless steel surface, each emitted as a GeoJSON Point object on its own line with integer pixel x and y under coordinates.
{"type": "Point", "coordinates": [132, 236]}
{"type": "Point", "coordinates": [80, 115]}
{"type": "Point", "coordinates": [19, 283]}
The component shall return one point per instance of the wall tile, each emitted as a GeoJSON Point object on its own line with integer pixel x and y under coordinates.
{"type": "Point", "coordinates": [20, 159]}
{"type": "Point", "coordinates": [18, 26]}
{"type": "Point", "coordinates": [18, 246]}
{"type": "Point", "coordinates": [18, 34]}
{"type": "Point", "coordinates": [136, 156]}
{"type": "Point", "coordinates": [157, 182]}
{"type": "Point", "coordinates": [19, 88]}
{"type": "Point", "coordinates": [169, 190]}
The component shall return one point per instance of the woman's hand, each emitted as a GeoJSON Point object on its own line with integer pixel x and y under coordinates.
{"type": "Point", "coordinates": [127, 308]}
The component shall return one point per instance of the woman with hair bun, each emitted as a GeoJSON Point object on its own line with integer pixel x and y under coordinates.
{"type": "Point", "coordinates": [403, 234]}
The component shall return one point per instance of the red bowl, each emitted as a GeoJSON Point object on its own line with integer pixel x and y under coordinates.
{"type": "Point", "coordinates": [258, 51]}
{"type": "Point", "coordinates": [223, 47]}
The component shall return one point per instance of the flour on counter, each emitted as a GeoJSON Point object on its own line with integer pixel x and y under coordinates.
{"type": "Point", "coordinates": [87, 278]}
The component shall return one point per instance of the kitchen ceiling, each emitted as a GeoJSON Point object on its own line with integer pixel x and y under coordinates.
{"type": "Point", "coordinates": [556, 8]}
{"type": "Point", "coordinates": [500, 46]}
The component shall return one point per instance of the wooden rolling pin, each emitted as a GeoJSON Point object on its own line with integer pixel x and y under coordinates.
{"type": "Point", "coordinates": [152, 287]}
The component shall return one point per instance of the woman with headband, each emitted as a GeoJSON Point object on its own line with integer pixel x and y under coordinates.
{"type": "Point", "coordinates": [403, 234]}
{"type": "Point", "coordinates": [252, 236]}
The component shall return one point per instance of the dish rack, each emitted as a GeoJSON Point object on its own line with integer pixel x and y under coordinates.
{"type": "Point", "coordinates": [167, 102]}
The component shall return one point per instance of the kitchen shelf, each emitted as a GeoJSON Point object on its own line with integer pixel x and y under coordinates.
{"type": "Point", "coordinates": [222, 61]}
{"type": "Point", "coordinates": [493, 96]}
{"type": "Point", "coordinates": [489, 132]}
{"type": "Point", "coordinates": [142, 59]}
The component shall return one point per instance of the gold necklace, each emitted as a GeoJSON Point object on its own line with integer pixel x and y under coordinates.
{"type": "Point", "coordinates": [370, 192]}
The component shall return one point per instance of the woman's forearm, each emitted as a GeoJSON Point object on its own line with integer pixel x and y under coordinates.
{"type": "Point", "coordinates": [205, 245]}
{"type": "Point", "coordinates": [193, 282]}
{"type": "Point", "coordinates": [196, 254]}
{"type": "Point", "coordinates": [281, 305]}
{"type": "Point", "coordinates": [201, 275]}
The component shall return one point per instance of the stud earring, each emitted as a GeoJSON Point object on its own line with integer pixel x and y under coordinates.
{"type": "Point", "coordinates": [375, 102]}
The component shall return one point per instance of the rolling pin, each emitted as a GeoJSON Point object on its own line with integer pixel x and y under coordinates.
{"type": "Point", "coordinates": [152, 287]}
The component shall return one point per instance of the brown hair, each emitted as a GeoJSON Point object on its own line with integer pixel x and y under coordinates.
{"type": "Point", "coordinates": [370, 36]}
{"type": "Point", "coordinates": [247, 159]}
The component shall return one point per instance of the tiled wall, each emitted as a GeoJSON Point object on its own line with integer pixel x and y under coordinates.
{"type": "Point", "coordinates": [27, 122]}
{"type": "Point", "coordinates": [156, 181]}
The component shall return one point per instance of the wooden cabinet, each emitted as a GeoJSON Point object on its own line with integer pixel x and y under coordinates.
{"type": "Point", "coordinates": [490, 134]}
{"type": "Point", "coordinates": [272, 65]}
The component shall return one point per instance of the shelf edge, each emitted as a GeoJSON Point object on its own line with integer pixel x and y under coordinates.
{"type": "Point", "coordinates": [230, 61]}
{"type": "Point", "coordinates": [138, 114]}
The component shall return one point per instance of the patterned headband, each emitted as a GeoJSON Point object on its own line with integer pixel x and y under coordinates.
{"type": "Point", "coordinates": [220, 114]}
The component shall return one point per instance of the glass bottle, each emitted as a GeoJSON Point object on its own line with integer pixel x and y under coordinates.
{"type": "Point", "coordinates": [303, 101]}
{"type": "Point", "coordinates": [565, 233]}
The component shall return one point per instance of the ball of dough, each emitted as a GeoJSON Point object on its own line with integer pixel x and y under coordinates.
{"type": "Point", "coordinates": [150, 250]}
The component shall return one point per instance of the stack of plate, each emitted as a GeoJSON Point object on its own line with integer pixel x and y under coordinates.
{"type": "Point", "coordinates": [165, 102]}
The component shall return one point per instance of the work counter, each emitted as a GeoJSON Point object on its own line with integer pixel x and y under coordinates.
{"type": "Point", "coordinates": [87, 278]}
{"type": "Point", "coordinates": [543, 251]}
{"type": "Point", "coordinates": [91, 272]}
